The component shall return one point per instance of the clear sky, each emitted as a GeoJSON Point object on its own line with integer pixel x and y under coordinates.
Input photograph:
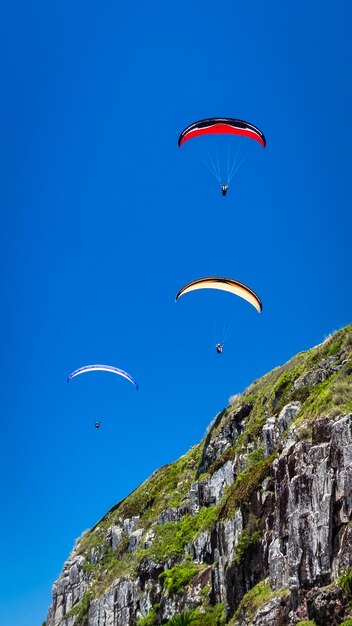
{"type": "Point", "coordinates": [103, 219]}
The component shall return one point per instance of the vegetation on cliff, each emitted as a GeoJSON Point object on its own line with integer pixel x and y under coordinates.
{"type": "Point", "coordinates": [154, 529]}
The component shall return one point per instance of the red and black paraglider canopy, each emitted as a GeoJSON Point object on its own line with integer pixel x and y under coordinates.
{"type": "Point", "coordinates": [220, 126]}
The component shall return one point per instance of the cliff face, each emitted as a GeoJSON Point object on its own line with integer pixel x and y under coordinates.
{"type": "Point", "coordinates": [252, 526]}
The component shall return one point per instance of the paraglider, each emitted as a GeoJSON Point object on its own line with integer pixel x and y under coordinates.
{"type": "Point", "coordinates": [222, 126]}
{"type": "Point", "coordinates": [224, 284]}
{"type": "Point", "coordinates": [103, 368]}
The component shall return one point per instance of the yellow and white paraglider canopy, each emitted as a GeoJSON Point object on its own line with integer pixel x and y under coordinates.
{"type": "Point", "coordinates": [224, 284]}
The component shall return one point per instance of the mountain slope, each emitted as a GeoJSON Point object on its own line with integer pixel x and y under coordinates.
{"type": "Point", "coordinates": [251, 526]}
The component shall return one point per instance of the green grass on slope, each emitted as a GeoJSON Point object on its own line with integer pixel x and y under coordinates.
{"type": "Point", "coordinates": [269, 394]}
{"type": "Point", "coordinates": [171, 538]}
{"type": "Point", "coordinates": [254, 599]}
{"type": "Point", "coordinates": [151, 619]}
{"type": "Point", "coordinates": [177, 577]}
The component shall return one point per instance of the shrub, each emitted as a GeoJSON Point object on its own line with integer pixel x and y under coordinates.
{"type": "Point", "coordinates": [301, 394]}
{"type": "Point", "coordinates": [150, 619]}
{"type": "Point", "coordinates": [212, 616]}
{"type": "Point", "coordinates": [334, 347]}
{"type": "Point", "coordinates": [254, 458]}
{"type": "Point", "coordinates": [179, 576]}
{"type": "Point", "coordinates": [183, 619]}
{"type": "Point", "coordinates": [246, 484]}
{"type": "Point", "coordinates": [255, 598]}
{"type": "Point", "coordinates": [171, 537]}
{"type": "Point", "coordinates": [345, 581]}
{"type": "Point", "coordinates": [342, 392]}
{"type": "Point", "coordinates": [80, 611]}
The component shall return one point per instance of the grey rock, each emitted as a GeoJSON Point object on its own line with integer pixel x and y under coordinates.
{"type": "Point", "coordinates": [135, 538]}
{"type": "Point", "coordinates": [212, 489]}
{"type": "Point", "coordinates": [174, 514]}
{"type": "Point", "coordinates": [193, 497]}
{"type": "Point", "coordinates": [68, 590]}
{"type": "Point", "coordinates": [129, 525]}
{"type": "Point", "coordinates": [327, 606]}
{"type": "Point", "coordinates": [274, 428]}
{"type": "Point", "coordinates": [115, 536]}
{"type": "Point", "coordinates": [119, 605]}
{"type": "Point", "coordinates": [202, 548]}
{"type": "Point", "coordinates": [301, 548]}
{"type": "Point", "coordinates": [227, 435]}
{"type": "Point", "coordinates": [315, 376]}
{"type": "Point", "coordinates": [286, 416]}
{"type": "Point", "coordinates": [269, 436]}
{"type": "Point", "coordinates": [341, 462]}
{"type": "Point", "coordinates": [273, 613]}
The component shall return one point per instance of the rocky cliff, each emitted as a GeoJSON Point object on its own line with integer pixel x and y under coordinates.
{"type": "Point", "coordinates": [252, 526]}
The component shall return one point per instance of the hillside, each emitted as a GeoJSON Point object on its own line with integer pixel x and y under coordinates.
{"type": "Point", "coordinates": [251, 526]}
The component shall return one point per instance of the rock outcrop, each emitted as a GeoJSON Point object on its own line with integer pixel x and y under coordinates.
{"type": "Point", "coordinates": [250, 527]}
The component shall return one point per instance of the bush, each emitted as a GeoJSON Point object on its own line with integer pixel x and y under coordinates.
{"type": "Point", "coordinates": [183, 619]}
{"type": "Point", "coordinates": [345, 581]}
{"type": "Point", "coordinates": [213, 616]}
{"type": "Point", "coordinates": [80, 611]}
{"type": "Point", "coordinates": [255, 598]}
{"type": "Point", "coordinates": [171, 537]}
{"type": "Point", "coordinates": [179, 576]}
{"type": "Point", "coordinates": [245, 485]}
{"type": "Point", "coordinates": [255, 457]}
{"type": "Point", "coordinates": [150, 619]}
{"type": "Point", "coordinates": [342, 392]}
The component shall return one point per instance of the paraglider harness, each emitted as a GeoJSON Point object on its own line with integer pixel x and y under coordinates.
{"type": "Point", "coordinates": [97, 424]}
{"type": "Point", "coordinates": [224, 189]}
{"type": "Point", "coordinates": [219, 347]}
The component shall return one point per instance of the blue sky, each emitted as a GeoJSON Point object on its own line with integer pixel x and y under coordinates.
{"type": "Point", "coordinates": [104, 219]}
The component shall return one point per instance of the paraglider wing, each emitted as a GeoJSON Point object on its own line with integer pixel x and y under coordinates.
{"type": "Point", "coordinates": [103, 368]}
{"type": "Point", "coordinates": [222, 125]}
{"type": "Point", "coordinates": [225, 284]}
